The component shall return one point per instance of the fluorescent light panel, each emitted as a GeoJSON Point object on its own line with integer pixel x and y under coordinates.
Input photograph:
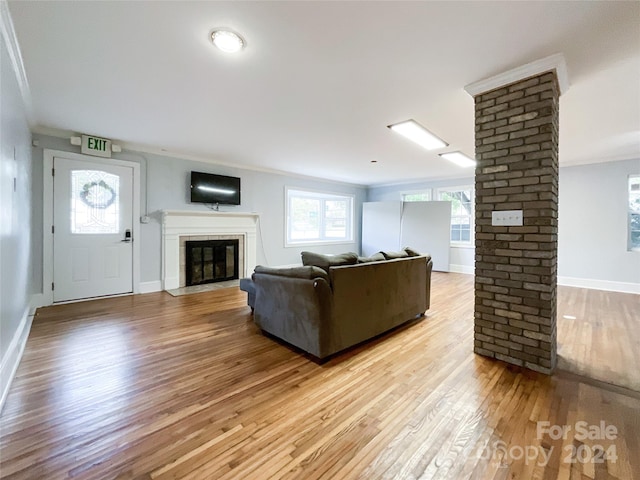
{"type": "Point", "coordinates": [459, 159]}
{"type": "Point", "coordinates": [418, 134]}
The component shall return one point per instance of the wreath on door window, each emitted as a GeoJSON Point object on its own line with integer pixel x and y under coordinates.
{"type": "Point", "coordinates": [97, 194]}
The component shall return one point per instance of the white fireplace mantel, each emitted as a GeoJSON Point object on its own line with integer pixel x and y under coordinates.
{"type": "Point", "coordinates": [177, 223]}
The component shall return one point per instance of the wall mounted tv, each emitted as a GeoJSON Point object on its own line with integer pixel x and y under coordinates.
{"type": "Point", "coordinates": [214, 189]}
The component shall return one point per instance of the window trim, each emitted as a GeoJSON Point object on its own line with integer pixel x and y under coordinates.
{"type": "Point", "coordinates": [324, 195]}
{"type": "Point", "coordinates": [472, 216]}
{"type": "Point", "coordinates": [630, 212]}
{"type": "Point", "coordinates": [418, 191]}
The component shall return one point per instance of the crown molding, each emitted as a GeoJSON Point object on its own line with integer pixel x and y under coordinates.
{"type": "Point", "coordinates": [203, 158]}
{"type": "Point", "coordinates": [140, 149]}
{"type": "Point", "coordinates": [553, 63]}
{"type": "Point", "coordinates": [11, 41]}
{"type": "Point", "coordinates": [464, 177]}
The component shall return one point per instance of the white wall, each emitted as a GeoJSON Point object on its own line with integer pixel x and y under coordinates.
{"type": "Point", "coordinates": [592, 227]}
{"type": "Point", "coordinates": [461, 258]}
{"type": "Point", "coordinates": [167, 181]}
{"type": "Point", "coordinates": [16, 285]}
{"type": "Point", "coordinates": [592, 219]}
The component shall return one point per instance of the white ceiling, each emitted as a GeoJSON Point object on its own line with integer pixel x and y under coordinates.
{"type": "Point", "coordinates": [318, 82]}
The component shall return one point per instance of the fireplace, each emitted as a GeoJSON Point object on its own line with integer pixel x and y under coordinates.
{"type": "Point", "coordinates": [209, 261]}
{"type": "Point", "coordinates": [180, 226]}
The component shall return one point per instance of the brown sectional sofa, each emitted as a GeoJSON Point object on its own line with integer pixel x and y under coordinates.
{"type": "Point", "coordinates": [333, 302]}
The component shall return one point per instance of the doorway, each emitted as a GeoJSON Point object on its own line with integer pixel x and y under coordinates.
{"type": "Point", "coordinates": [90, 227]}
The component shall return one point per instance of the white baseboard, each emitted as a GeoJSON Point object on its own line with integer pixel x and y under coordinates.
{"type": "Point", "coordinates": [149, 287]}
{"type": "Point", "coordinates": [608, 285]}
{"type": "Point", "coordinates": [624, 287]}
{"type": "Point", "coordinates": [36, 302]}
{"type": "Point", "coordinates": [468, 269]}
{"type": "Point", "coordinates": [13, 356]}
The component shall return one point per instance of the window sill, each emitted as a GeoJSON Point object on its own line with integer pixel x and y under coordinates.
{"type": "Point", "coordinates": [462, 245]}
{"type": "Point", "coordinates": [319, 242]}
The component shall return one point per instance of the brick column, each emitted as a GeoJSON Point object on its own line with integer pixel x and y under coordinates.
{"type": "Point", "coordinates": [517, 169]}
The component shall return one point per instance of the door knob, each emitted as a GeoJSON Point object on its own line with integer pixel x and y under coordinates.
{"type": "Point", "coordinates": [127, 235]}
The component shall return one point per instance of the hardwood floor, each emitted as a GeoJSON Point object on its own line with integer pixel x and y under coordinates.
{"type": "Point", "coordinates": [599, 335]}
{"type": "Point", "coordinates": [158, 387]}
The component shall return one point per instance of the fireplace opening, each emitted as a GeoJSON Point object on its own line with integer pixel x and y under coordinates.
{"type": "Point", "coordinates": [209, 261]}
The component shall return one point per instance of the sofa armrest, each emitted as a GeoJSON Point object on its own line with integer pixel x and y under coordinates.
{"type": "Point", "coordinates": [295, 309]}
{"type": "Point", "coordinates": [246, 285]}
{"type": "Point", "coordinates": [429, 270]}
{"type": "Point", "coordinates": [304, 272]}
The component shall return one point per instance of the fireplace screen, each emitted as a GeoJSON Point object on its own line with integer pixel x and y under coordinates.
{"type": "Point", "coordinates": [209, 261]}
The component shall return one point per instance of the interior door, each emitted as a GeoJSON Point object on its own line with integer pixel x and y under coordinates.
{"type": "Point", "coordinates": [93, 221]}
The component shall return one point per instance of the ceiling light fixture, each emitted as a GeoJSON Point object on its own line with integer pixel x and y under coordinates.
{"type": "Point", "coordinates": [227, 41]}
{"type": "Point", "coordinates": [417, 133]}
{"type": "Point", "coordinates": [459, 159]}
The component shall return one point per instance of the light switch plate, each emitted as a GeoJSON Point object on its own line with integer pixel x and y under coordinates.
{"type": "Point", "coordinates": [506, 218]}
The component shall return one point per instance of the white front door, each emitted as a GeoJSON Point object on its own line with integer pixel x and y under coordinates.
{"type": "Point", "coordinates": [92, 229]}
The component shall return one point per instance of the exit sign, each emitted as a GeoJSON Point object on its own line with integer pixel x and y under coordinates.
{"type": "Point", "coordinates": [100, 147]}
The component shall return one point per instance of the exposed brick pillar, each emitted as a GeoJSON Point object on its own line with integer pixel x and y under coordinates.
{"type": "Point", "coordinates": [517, 169]}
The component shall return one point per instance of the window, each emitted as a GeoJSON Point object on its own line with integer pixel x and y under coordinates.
{"type": "Point", "coordinates": [462, 200]}
{"type": "Point", "coordinates": [634, 212]}
{"type": "Point", "coordinates": [94, 202]}
{"type": "Point", "coordinates": [318, 217]}
{"type": "Point", "coordinates": [418, 196]}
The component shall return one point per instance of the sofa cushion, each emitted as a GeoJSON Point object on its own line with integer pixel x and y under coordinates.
{"type": "Point", "coordinates": [308, 272]}
{"type": "Point", "coordinates": [411, 252]}
{"type": "Point", "coordinates": [392, 255]}
{"type": "Point", "coordinates": [326, 261]}
{"type": "Point", "coordinates": [376, 257]}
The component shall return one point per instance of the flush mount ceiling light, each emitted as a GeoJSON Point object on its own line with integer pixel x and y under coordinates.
{"type": "Point", "coordinates": [459, 159]}
{"type": "Point", "coordinates": [227, 41]}
{"type": "Point", "coordinates": [418, 134]}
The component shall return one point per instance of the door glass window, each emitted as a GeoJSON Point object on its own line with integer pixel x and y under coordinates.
{"type": "Point", "coordinates": [95, 205]}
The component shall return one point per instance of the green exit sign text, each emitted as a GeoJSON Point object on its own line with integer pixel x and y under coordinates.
{"type": "Point", "coordinates": [100, 147]}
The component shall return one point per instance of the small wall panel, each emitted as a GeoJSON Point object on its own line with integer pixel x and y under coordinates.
{"type": "Point", "coordinates": [425, 226]}
{"type": "Point", "coordinates": [380, 226]}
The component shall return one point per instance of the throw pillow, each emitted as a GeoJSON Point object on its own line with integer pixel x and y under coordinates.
{"type": "Point", "coordinates": [411, 252]}
{"type": "Point", "coordinates": [392, 255]}
{"type": "Point", "coordinates": [327, 261]}
{"type": "Point", "coordinates": [376, 257]}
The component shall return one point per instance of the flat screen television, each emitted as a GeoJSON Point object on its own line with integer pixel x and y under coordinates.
{"type": "Point", "coordinates": [212, 188]}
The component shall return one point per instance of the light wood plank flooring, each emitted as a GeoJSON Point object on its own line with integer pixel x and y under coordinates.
{"type": "Point", "coordinates": [599, 335]}
{"type": "Point", "coordinates": [158, 387]}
